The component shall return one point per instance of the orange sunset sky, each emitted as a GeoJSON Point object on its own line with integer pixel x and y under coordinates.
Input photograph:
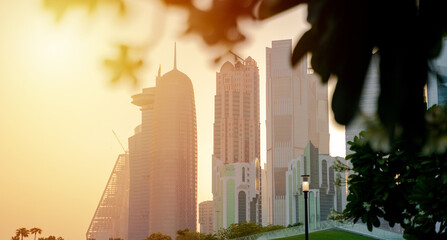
{"type": "Point", "coordinates": [58, 107]}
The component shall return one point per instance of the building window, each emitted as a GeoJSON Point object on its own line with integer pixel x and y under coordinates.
{"type": "Point", "coordinates": [243, 174]}
{"type": "Point", "coordinates": [242, 209]}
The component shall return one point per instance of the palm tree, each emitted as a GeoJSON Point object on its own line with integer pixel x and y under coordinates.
{"type": "Point", "coordinates": [15, 237]}
{"type": "Point", "coordinates": [35, 231]}
{"type": "Point", "coordinates": [23, 232]}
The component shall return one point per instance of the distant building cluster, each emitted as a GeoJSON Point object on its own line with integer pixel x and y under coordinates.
{"type": "Point", "coordinates": [153, 186]}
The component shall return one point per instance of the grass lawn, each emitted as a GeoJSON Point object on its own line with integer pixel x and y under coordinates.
{"type": "Point", "coordinates": [329, 235]}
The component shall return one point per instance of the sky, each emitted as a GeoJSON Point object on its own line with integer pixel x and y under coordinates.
{"type": "Point", "coordinates": [58, 108]}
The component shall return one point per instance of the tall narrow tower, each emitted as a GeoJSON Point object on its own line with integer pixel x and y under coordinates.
{"type": "Point", "coordinates": [437, 82]}
{"type": "Point", "coordinates": [236, 166]}
{"type": "Point", "coordinates": [171, 151]}
{"type": "Point", "coordinates": [297, 112]}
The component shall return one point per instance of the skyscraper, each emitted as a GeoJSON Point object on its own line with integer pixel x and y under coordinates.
{"type": "Point", "coordinates": [437, 82]}
{"type": "Point", "coordinates": [169, 145]}
{"type": "Point", "coordinates": [297, 112]}
{"type": "Point", "coordinates": [206, 217]}
{"type": "Point", "coordinates": [110, 218]}
{"type": "Point", "coordinates": [236, 166]}
{"type": "Point", "coordinates": [139, 145]}
{"type": "Point", "coordinates": [367, 104]}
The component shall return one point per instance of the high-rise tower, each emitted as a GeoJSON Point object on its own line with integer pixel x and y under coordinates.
{"type": "Point", "coordinates": [236, 166]}
{"type": "Point", "coordinates": [437, 82]}
{"type": "Point", "coordinates": [236, 112]}
{"type": "Point", "coordinates": [297, 112]}
{"type": "Point", "coordinates": [367, 104]}
{"type": "Point", "coordinates": [172, 152]}
{"type": "Point", "coordinates": [110, 218]}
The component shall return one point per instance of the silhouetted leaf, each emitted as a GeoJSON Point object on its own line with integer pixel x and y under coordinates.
{"type": "Point", "coordinates": [269, 8]}
{"type": "Point", "coordinates": [304, 45]}
{"type": "Point", "coordinates": [123, 65]}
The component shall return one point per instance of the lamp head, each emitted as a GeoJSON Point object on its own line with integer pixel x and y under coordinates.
{"type": "Point", "coordinates": [305, 185]}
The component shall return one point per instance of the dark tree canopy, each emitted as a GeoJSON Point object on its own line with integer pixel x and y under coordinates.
{"type": "Point", "coordinates": [399, 186]}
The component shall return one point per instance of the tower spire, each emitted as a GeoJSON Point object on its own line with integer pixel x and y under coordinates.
{"type": "Point", "coordinates": [175, 55]}
{"type": "Point", "coordinates": [159, 71]}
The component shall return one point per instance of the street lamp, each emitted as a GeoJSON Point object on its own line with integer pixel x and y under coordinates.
{"type": "Point", "coordinates": [305, 191]}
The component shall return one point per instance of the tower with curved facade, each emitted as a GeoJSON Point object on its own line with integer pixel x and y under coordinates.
{"type": "Point", "coordinates": [171, 153]}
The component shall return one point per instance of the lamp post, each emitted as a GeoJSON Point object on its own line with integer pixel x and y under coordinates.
{"type": "Point", "coordinates": [305, 191]}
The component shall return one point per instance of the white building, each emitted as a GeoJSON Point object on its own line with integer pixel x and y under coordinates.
{"type": "Point", "coordinates": [236, 192]}
{"type": "Point", "coordinates": [264, 197]}
{"type": "Point", "coordinates": [323, 194]}
{"type": "Point", "coordinates": [297, 112]}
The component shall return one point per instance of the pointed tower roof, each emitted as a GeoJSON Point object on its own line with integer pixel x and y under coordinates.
{"type": "Point", "coordinates": [175, 74]}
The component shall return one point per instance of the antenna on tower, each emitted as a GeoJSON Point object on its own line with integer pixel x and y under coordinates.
{"type": "Point", "coordinates": [122, 146]}
{"type": "Point", "coordinates": [175, 55]}
{"type": "Point", "coordinates": [236, 56]}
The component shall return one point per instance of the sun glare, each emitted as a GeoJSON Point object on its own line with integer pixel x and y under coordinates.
{"type": "Point", "coordinates": [50, 50]}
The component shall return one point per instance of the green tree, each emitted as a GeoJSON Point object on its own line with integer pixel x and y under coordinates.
{"type": "Point", "coordinates": [158, 236]}
{"type": "Point", "coordinates": [401, 186]}
{"type": "Point", "coordinates": [35, 231]}
{"type": "Point", "coordinates": [277, 227]}
{"type": "Point", "coordinates": [187, 235]}
{"type": "Point", "coordinates": [237, 230]}
{"type": "Point", "coordinates": [22, 232]}
{"type": "Point", "coordinates": [295, 224]}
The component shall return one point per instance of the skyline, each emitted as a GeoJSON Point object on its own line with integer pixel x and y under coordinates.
{"type": "Point", "coordinates": [59, 110]}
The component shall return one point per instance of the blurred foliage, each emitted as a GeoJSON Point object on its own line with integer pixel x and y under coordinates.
{"type": "Point", "coordinates": [60, 7]}
{"type": "Point", "coordinates": [123, 65]}
{"type": "Point", "coordinates": [400, 185]}
{"type": "Point", "coordinates": [238, 230]}
{"type": "Point", "coordinates": [343, 35]}
{"type": "Point", "coordinates": [405, 34]}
